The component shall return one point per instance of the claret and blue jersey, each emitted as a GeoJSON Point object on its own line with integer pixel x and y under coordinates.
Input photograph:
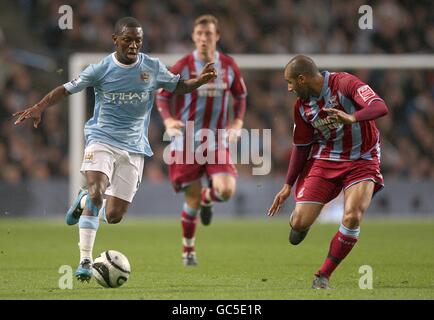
{"type": "Point", "coordinates": [335, 141]}
{"type": "Point", "coordinates": [124, 96]}
{"type": "Point", "coordinates": [208, 106]}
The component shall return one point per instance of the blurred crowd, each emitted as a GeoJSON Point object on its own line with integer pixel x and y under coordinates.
{"type": "Point", "coordinates": [258, 26]}
{"type": "Point", "coordinates": [250, 26]}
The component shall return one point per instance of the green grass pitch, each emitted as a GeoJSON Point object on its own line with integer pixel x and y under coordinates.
{"type": "Point", "coordinates": [238, 259]}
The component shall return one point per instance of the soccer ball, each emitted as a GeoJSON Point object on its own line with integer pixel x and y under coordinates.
{"type": "Point", "coordinates": [111, 269]}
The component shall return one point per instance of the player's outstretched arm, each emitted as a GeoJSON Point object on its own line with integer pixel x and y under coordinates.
{"type": "Point", "coordinates": [35, 112]}
{"type": "Point", "coordinates": [279, 200]}
{"type": "Point", "coordinates": [299, 156]}
{"type": "Point", "coordinates": [186, 86]}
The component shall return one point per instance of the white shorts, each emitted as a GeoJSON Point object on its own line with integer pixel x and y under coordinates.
{"type": "Point", "coordinates": [123, 169]}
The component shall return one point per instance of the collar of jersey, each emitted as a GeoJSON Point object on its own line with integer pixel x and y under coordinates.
{"type": "Point", "coordinates": [127, 66]}
{"type": "Point", "coordinates": [196, 57]}
{"type": "Point", "coordinates": [325, 86]}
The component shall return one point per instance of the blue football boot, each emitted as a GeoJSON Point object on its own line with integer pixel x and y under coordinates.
{"type": "Point", "coordinates": [84, 270]}
{"type": "Point", "coordinates": [75, 211]}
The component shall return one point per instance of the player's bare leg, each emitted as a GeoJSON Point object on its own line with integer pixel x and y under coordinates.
{"type": "Point", "coordinates": [303, 216]}
{"type": "Point", "coordinates": [222, 189]}
{"type": "Point", "coordinates": [189, 221]}
{"type": "Point", "coordinates": [115, 209]}
{"type": "Point", "coordinates": [97, 183]}
{"type": "Point", "coordinates": [357, 200]}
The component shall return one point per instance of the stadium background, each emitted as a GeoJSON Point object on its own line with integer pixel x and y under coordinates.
{"type": "Point", "coordinates": [34, 56]}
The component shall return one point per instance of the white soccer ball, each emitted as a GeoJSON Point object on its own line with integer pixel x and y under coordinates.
{"type": "Point", "coordinates": [111, 269]}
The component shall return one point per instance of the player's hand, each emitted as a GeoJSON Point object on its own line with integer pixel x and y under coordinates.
{"type": "Point", "coordinates": [173, 127]}
{"type": "Point", "coordinates": [208, 73]}
{"type": "Point", "coordinates": [280, 198]}
{"type": "Point", "coordinates": [34, 112]}
{"type": "Point", "coordinates": [336, 115]}
{"type": "Point", "coordinates": [234, 130]}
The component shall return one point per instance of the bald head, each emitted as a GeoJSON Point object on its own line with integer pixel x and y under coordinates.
{"type": "Point", "coordinates": [301, 65]}
{"type": "Point", "coordinates": [303, 77]}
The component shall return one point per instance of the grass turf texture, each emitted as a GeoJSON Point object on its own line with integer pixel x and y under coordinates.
{"type": "Point", "coordinates": [238, 259]}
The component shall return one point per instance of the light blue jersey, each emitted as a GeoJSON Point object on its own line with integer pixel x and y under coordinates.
{"type": "Point", "coordinates": [124, 96]}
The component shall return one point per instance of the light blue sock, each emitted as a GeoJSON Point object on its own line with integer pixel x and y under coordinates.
{"type": "Point", "coordinates": [349, 232]}
{"type": "Point", "coordinates": [190, 211]}
{"type": "Point", "coordinates": [88, 222]}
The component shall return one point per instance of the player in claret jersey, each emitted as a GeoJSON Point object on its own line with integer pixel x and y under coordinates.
{"type": "Point", "coordinates": [336, 147]}
{"type": "Point", "coordinates": [207, 108]}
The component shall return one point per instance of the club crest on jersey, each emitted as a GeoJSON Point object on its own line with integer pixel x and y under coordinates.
{"type": "Point", "coordinates": [144, 76]}
{"type": "Point", "coordinates": [88, 157]}
{"type": "Point", "coordinates": [332, 102]}
{"type": "Point", "coordinates": [75, 82]}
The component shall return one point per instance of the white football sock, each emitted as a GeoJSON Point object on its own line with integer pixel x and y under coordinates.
{"type": "Point", "coordinates": [188, 242]}
{"type": "Point", "coordinates": [87, 239]}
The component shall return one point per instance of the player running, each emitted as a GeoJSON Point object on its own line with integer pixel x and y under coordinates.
{"type": "Point", "coordinates": [207, 108]}
{"type": "Point", "coordinates": [116, 136]}
{"type": "Point", "coordinates": [336, 147]}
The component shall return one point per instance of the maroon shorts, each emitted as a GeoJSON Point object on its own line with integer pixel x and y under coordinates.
{"type": "Point", "coordinates": [322, 180]}
{"type": "Point", "coordinates": [182, 175]}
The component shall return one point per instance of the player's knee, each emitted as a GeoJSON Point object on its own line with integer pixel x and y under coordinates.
{"type": "Point", "coordinates": [297, 223]}
{"type": "Point", "coordinates": [352, 217]}
{"type": "Point", "coordinates": [226, 194]}
{"type": "Point", "coordinates": [114, 219]}
{"type": "Point", "coordinates": [96, 194]}
{"type": "Point", "coordinates": [114, 216]}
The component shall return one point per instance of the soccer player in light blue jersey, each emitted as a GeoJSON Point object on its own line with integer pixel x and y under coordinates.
{"type": "Point", "coordinates": [117, 135]}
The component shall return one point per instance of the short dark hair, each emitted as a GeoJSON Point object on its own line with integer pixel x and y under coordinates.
{"type": "Point", "coordinates": [205, 19]}
{"type": "Point", "coordinates": [128, 22]}
{"type": "Point", "coordinates": [302, 64]}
